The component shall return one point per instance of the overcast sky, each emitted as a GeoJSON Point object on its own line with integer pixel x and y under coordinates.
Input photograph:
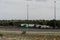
{"type": "Point", "coordinates": [17, 9]}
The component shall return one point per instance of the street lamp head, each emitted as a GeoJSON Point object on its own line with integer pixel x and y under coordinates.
{"type": "Point", "coordinates": [54, 1]}
{"type": "Point", "coordinates": [36, 0]}
{"type": "Point", "coordinates": [40, 0]}
{"type": "Point", "coordinates": [28, 0]}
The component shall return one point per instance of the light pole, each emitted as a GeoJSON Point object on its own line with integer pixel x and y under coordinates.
{"type": "Point", "coordinates": [27, 14]}
{"type": "Point", "coordinates": [54, 10]}
{"type": "Point", "coordinates": [54, 14]}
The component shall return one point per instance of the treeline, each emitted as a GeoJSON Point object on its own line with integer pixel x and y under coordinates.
{"type": "Point", "coordinates": [51, 23]}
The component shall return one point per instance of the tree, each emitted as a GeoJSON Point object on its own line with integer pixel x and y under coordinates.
{"type": "Point", "coordinates": [58, 23]}
{"type": "Point", "coordinates": [52, 23]}
{"type": "Point", "coordinates": [11, 23]}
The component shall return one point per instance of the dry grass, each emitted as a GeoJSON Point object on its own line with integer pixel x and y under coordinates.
{"type": "Point", "coordinates": [25, 36]}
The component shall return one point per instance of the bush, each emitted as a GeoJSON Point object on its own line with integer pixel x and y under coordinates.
{"type": "Point", "coordinates": [1, 35]}
{"type": "Point", "coordinates": [23, 32]}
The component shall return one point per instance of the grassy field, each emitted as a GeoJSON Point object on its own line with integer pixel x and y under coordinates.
{"type": "Point", "coordinates": [28, 35]}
